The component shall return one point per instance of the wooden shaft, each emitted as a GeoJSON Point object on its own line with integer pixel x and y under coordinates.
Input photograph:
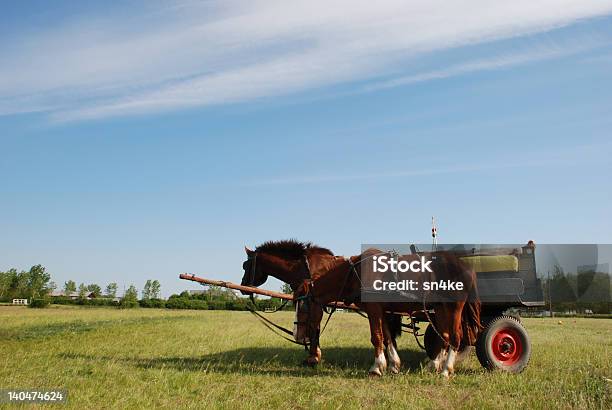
{"type": "Point", "coordinates": [252, 289]}
{"type": "Point", "coordinates": [230, 285]}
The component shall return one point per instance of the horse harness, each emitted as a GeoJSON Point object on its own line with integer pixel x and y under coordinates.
{"type": "Point", "coordinates": [309, 298]}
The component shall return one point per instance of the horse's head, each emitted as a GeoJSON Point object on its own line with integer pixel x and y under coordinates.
{"type": "Point", "coordinates": [253, 274]}
{"type": "Point", "coordinates": [286, 260]}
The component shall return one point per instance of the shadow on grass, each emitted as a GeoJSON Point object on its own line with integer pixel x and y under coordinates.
{"type": "Point", "coordinates": [284, 361]}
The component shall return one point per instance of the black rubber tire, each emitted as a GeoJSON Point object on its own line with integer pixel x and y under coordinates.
{"type": "Point", "coordinates": [432, 342]}
{"type": "Point", "coordinates": [503, 345]}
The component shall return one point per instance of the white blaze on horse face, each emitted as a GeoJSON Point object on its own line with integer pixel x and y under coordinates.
{"type": "Point", "coordinates": [380, 365]}
{"type": "Point", "coordinates": [449, 365]}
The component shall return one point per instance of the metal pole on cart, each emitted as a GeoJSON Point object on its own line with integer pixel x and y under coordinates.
{"type": "Point", "coordinates": [434, 235]}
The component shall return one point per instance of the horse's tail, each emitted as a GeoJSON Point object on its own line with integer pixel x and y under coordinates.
{"type": "Point", "coordinates": [394, 323]}
{"type": "Point", "coordinates": [470, 316]}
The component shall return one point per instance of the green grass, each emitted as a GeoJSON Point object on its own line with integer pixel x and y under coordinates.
{"type": "Point", "coordinates": [109, 358]}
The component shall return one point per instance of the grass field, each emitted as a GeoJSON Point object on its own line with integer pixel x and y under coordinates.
{"type": "Point", "coordinates": [145, 357]}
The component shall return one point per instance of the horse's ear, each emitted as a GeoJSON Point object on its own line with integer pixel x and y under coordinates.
{"type": "Point", "coordinates": [248, 251]}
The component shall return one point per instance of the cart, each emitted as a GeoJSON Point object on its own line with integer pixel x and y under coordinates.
{"type": "Point", "coordinates": [506, 279]}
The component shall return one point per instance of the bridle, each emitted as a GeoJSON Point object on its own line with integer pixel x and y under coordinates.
{"type": "Point", "coordinates": [253, 260]}
{"type": "Point", "coordinates": [304, 303]}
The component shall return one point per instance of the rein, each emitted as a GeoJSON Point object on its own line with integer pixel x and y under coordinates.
{"type": "Point", "coordinates": [272, 326]}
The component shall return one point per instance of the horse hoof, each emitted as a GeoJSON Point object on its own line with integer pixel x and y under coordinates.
{"type": "Point", "coordinates": [310, 363]}
{"type": "Point", "coordinates": [394, 370]}
{"type": "Point", "coordinates": [430, 365]}
{"type": "Point", "coordinates": [375, 373]}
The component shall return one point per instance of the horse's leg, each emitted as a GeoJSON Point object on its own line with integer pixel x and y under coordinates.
{"type": "Point", "coordinates": [314, 351]}
{"type": "Point", "coordinates": [391, 345]}
{"type": "Point", "coordinates": [442, 325]}
{"type": "Point", "coordinates": [463, 354]}
{"type": "Point", "coordinates": [438, 319]}
{"type": "Point", "coordinates": [375, 317]}
{"type": "Point", "coordinates": [454, 337]}
{"type": "Point", "coordinates": [436, 364]}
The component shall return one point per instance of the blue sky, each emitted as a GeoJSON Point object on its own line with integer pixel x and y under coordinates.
{"type": "Point", "coordinates": [149, 139]}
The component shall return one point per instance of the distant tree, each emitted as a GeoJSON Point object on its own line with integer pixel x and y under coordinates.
{"type": "Point", "coordinates": [6, 281]}
{"type": "Point", "coordinates": [82, 291]}
{"type": "Point", "coordinates": [286, 288]}
{"type": "Point", "coordinates": [131, 292]}
{"type": "Point", "coordinates": [34, 283]}
{"type": "Point", "coordinates": [155, 289]}
{"type": "Point", "coordinates": [95, 289]}
{"type": "Point", "coordinates": [146, 291]}
{"type": "Point", "coordinates": [218, 293]}
{"type": "Point", "coordinates": [38, 281]}
{"type": "Point", "coordinates": [562, 288]}
{"type": "Point", "coordinates": [69, 287]}
{"type": "Point", "coordinates": [16, 283]}
{"type": "Point", "coordinates": [130, 297]}
{"type": "Point", "coordinates": [111, 290]}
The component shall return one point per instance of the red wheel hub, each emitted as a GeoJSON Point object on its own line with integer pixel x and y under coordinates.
{"type": "Point", "coordinates": [507, 346]}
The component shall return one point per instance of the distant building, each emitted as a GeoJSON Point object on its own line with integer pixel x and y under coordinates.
{"type": "Point", "coordinates": [215, 292]}
{"type": "Point", "coordinates": [71, 295]}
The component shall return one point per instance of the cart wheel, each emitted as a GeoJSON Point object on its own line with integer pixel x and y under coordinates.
{"type": "Point", "coordinates": [504, 344]}
{"type": "Point", "coordinates": [432, 342]}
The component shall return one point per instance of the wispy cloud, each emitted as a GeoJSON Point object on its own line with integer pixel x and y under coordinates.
{"type": "Point", "coordinates": [316, 179]}
{"type": "Point", "coordinates": [587, 153]}
{"type": "Point", "coordinates": [208, 53]}
{"type": "Point", "coordinates": [487, 64]}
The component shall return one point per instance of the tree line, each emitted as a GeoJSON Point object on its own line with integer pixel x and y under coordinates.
{"type": "Point", "coordinates": [151, 290]}
{"type": "Point", "coordinates": [36, 285]}
{"type": "Point", "coordinates": [31, 284]}
{"type": "Point", "coordinates": [578, 292]}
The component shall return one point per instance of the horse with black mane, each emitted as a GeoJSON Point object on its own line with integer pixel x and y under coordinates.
{"type": "Point", "coordinates": [293, 262]}
{"type": "Point", "coordinates": [456, 320]}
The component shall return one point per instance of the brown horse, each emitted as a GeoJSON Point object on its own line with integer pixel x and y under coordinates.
{"type": "Point", "coordinates": [292, 262]}
{"type": "Point", "coordinates": [456, 321]}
